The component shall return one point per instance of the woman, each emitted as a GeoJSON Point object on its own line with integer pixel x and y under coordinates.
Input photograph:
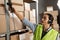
{"type": "Point", "coordinates": [43, 31]}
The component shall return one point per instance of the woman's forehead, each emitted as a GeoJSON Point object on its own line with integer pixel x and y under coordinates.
{"type": "Point", "coordinates": [45, 15]}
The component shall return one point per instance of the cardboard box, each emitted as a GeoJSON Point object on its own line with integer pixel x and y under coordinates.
{"type": "Point", "coordinates": [17, 1]}
{"type": "Point", "coordinates": [2, 24]}
{"type": "Point", "coordinates": [11, 24]}
{"type": "Point", "coordinates": [2, 10]}
{"type": "Point", "coordinates": [15, 37]}
{"type": "Point", "coordinates": [27, 14]}
{"type": "Point", "coordinates": [3, 38]}
{"type": "Point", "coordinates": [49, 8]}
{"type": "Point", "coordinates": [27, 6]}
{"type": "Point", "coordinates": [15, 23]}
{"type": "Point", "coordinates": [13, 1]}
{"type": "Point", "coordinates": [18, 8]}
{"type": "Point", "coordinates": [28, 37]}
{"type": "Point", "coordinates": [33, 16]}
{"type": "Point", "coordinates": [1, 1]}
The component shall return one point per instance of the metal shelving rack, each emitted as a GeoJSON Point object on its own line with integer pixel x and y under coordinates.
{"type": "Point", "coordinates": [8, 32]}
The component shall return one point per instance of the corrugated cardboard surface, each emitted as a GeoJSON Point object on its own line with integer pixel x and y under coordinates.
{"type": "Point", "coordinates": [27, 14]}
{"type": "Point", "coordinates": [2, 11]}
{"type": "Point", "coordinates": [26, 36]}
{"type": "Point", "coordinates": [3, 38]}
{"type": "Point", "coordinates": [15, 23]}
{"type": "Point", "coordinates": [27, 6]}
{"type": "Point", "coordinates": [17, 1]}
{"type": "Point", "coordinates": [14, 37]}
{"type": "Point", "coordinates": [1, 1]}
{"type": "Point", "coordinates": [32, 16]}
{"type": "Point", "coordinates": [2, 23]}
{"type": "Point", "coordinates": [18, 8]}
{"type": "Point", "coordinates": [13, 1]}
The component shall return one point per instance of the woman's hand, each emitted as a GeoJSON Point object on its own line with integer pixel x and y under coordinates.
{"type": "Point", "coordinates": [18, 14]}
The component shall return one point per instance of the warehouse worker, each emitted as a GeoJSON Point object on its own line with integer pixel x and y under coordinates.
{"type": "Point", "coordinates": [43, 31]}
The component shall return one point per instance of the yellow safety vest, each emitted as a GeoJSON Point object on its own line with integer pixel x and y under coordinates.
{"type": "Point", "coordinates": [51, 35]}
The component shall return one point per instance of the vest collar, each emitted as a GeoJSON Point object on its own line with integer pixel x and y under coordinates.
{"type": "Point", "coordinates": [48, 29]}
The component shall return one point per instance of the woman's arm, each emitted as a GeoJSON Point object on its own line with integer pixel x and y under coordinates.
{"type": "Point", "coordinates": [25, 21]}
{"type": "Point", "coordinates": [19, 15]}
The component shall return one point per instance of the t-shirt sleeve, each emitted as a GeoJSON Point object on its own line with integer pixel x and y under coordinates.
{"type": "Point", "coordinates": [29, 24]}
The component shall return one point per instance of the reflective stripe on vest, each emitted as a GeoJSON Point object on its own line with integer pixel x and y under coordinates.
{"type": "Point", "coordinates": [51, 35]}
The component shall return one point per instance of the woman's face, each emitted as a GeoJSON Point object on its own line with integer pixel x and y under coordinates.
{"type": "Point", "coordinates": [45, 19]}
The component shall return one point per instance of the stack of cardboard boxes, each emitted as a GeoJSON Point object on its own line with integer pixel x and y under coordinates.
{"type": "Point", "coordinates": [15, 23]}
{"type": "Point", "coordinates": [14, 20]}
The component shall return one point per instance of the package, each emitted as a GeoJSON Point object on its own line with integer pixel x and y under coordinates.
{"type": "Point", "coordinates": [13, 1]}
{"type": "Point", "coordinates": [27, 14]}
{"type": "Point", "coordinates": [49, 8]}
{"type": "Point", "coordinates": [17, 1]}
{"type": "Point", "coordinates": [3, 38]}
{"type": "Point", "coordinates": [1, 1]}
{"type": "Point", "coordinates": [27, 6]}
{"type": "Point", "coordinates": [2, 24]}
{"type": "Point", "coordinates": [18, 8]}
{"type": "Point", "coordinates": [18, 25]}
{"type": "Point", "coordinates": [15, 37]}
{"type": "Point", "coordinates": [2, 10]}
{"type": "Point", "coordinates": [15, 23]}
{"type": "Point", "coordinates": [28, 37]}
{"type": "Point", "coordinates": [33, 16]}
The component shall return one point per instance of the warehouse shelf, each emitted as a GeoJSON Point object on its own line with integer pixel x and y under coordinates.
{"type": "Point", "coordinates": [15, 32]}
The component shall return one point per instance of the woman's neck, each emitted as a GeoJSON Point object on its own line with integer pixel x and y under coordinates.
{"type": "Point", "coordinates": [46, 26]}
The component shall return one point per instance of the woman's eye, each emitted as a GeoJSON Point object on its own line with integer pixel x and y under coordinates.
{"type": "Point", "coordinates": [44, 18]}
